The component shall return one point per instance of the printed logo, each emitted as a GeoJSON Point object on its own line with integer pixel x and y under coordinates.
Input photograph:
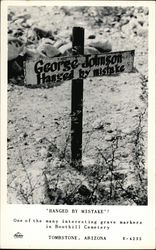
{"type": "Point", "coordinates": [18, 235]}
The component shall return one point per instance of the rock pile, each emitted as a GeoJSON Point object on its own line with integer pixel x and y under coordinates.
{"type": "Point", "coordinates": [30, 40]}
{"type": "Point", "coordinates": [45, 46]}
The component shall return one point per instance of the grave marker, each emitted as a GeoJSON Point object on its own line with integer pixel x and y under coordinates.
{"type": "Point", "coordinates": [57, 69]}
{"type": "Point", "coordinates": [77, 67]}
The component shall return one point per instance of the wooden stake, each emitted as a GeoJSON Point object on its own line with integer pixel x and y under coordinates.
{"type": "Point", "coordinates": [77, 103]}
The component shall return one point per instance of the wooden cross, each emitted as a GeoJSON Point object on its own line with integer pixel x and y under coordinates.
{"type": "Point", "coordinates": [77, 68]}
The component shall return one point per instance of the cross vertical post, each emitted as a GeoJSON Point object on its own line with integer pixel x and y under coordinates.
{"type": "Point", "coordinates": [77, 103]}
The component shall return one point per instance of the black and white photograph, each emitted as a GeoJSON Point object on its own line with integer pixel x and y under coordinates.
{"type": "Point", "coordinates": [77, 141]}
{"type": "Point", "coordinates": [78, 125]}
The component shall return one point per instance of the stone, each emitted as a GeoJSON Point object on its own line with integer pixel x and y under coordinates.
{"type": "Point", "coordinates": [109, 138]}
{"type": "Point", "coordinates": [91, 50]}
{"type": "Point", "coordinates": [98, 124]}
{"type": "Point", "coordinates": [107, 30]}
{"type": "Point", "coordinates": [46, 41]}
{"type": "Point", "coordinates": [29, 23]}
{"type": "Point", "coordinates": [40, 33]}
{"type": "Point", "coordinates": [122, 35]}
{"type": "Point", "coordinates": [24, 17]}
{"type": "Point", "coordinates": [48, 50]}
{"type": "Point", "coordinates": [10, 15]}
{"type": "Point", "coordinates": [102, 46]}
{"type": "Point", "coordinates": [59, 43]}
{"type": "Point", "coordinates": [15, 47]}
{"type": "Point", "coordinates": [66, 49]}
